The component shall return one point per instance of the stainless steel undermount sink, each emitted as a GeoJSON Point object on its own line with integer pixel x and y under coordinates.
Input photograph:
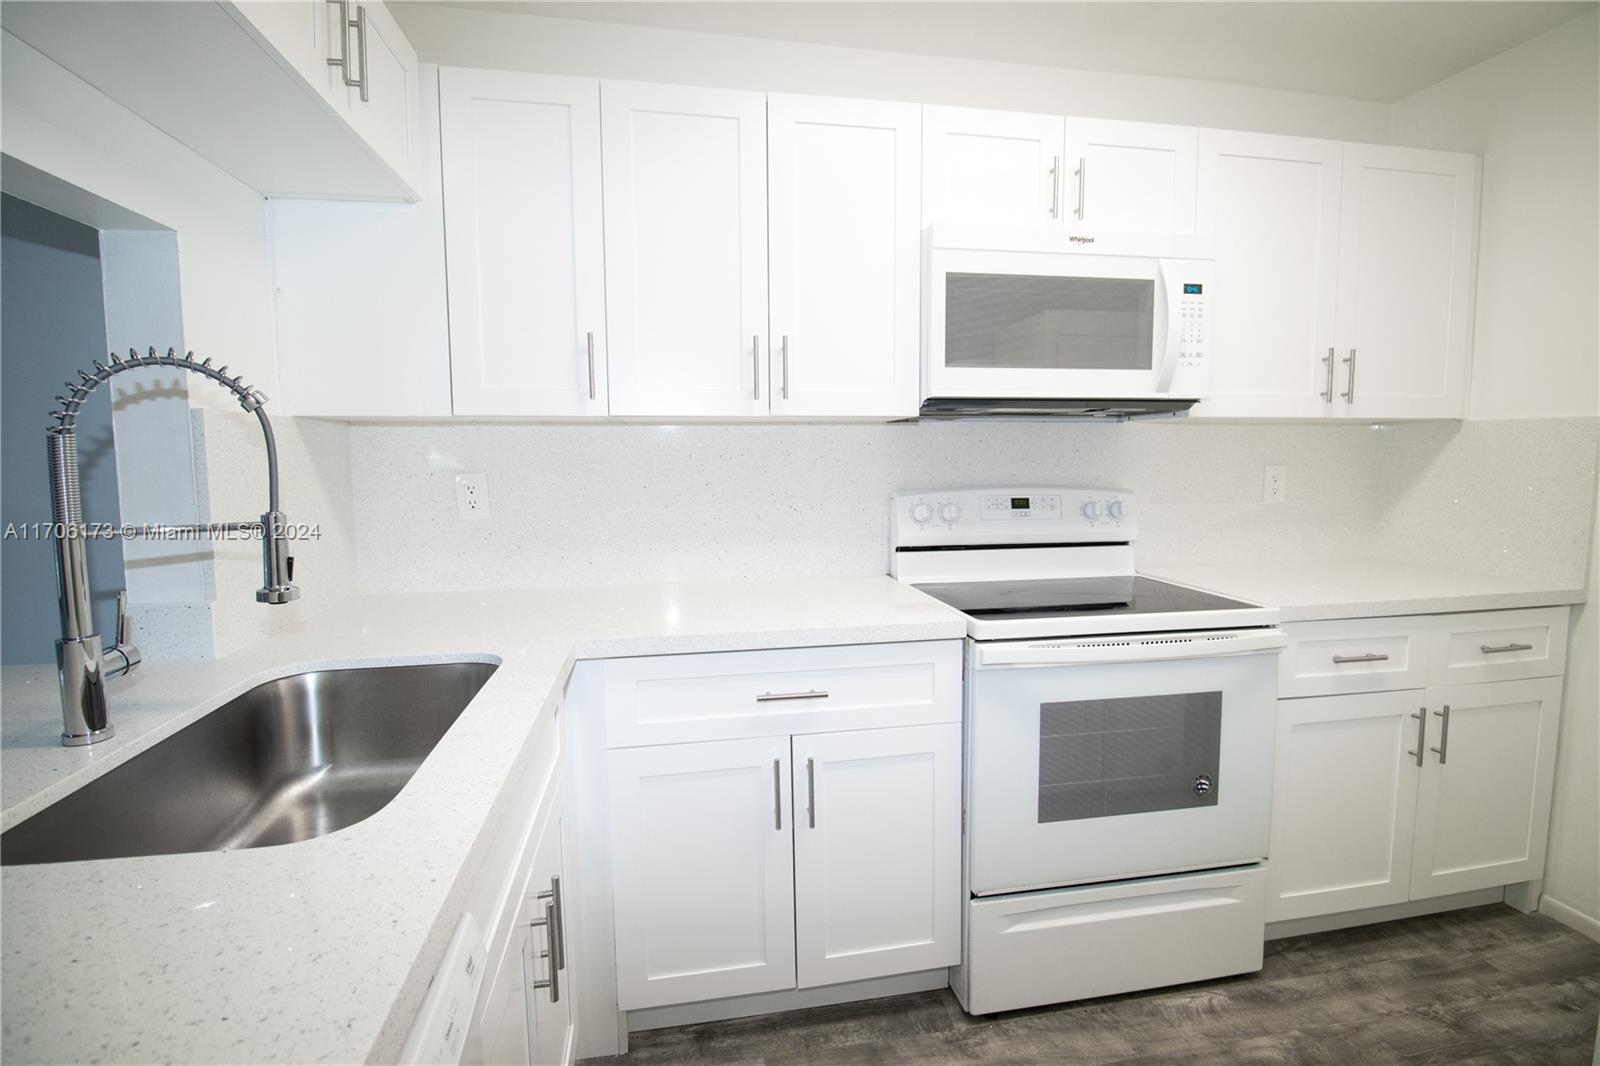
{"type": "Point", "coordinates": [291, 759]}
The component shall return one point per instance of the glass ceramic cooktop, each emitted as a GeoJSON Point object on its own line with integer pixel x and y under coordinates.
{"type": "Point", "coordinates": [1121, 595]}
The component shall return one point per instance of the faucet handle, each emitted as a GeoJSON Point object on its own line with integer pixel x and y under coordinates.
{"type": "Point", "coordinates": [122, 617]}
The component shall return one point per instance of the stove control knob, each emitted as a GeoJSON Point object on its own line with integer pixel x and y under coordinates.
{"type": "Point", "coordinates": [1090, 509]}
{"type": "Point", "coordinates": [921, 511]}
{"type": "Point", "coordinates": [1116, 509]}
{"type": "Point", "coordinates": [949, 512]}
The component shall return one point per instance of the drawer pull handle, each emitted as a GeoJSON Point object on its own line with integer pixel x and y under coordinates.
{"type": "Point", "coordinates": [1370, 657]}
{"type": "Point", "coordinates": [1493, 649]}
{"type": "Point", "coordinates": [777, 697]}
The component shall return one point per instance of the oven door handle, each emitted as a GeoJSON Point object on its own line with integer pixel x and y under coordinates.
{"type": "Point", "coordinates": [1136, 648]}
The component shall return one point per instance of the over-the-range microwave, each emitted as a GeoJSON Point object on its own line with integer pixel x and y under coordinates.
{"type": "Point", "coordinates": [1043, 322]}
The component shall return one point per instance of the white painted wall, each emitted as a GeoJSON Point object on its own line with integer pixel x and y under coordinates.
{"type": "Point", "coordinates": [457, 36]}
{"type": "Point", "coordinates": [64, 127]}
{"type": "Point", "coordinates": [1533, 113]}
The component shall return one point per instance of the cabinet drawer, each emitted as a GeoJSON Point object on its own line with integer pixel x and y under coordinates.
{"type": "Point", "coordinates": [684, 698]}
{"type": "Point", "coordinates": [1353, 655]}
{"type": "Point", "coordinates": [1020, 947]}
{"type": "Point", "coordinates": [1499, 646]}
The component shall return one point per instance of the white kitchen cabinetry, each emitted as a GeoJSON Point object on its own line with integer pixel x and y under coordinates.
{"type": "Point", "coordinates": [702, 870]}
{"type": "Point", "coordinates": [1483, 810]}
{"type": "Point", "coordinates": [1395, 794]}
{"type": "Point", "coordinates": [1407, 249]}
{"type": "Point", "coordinates": [844, 191]}
{"type": "Point", "coordinates": [524, 243]}
{"type": "Point", "coordinates": [877, 849]}
{"type": "Point", "coordinates": [1344, 277]}
{"type": "Point", "coordinates": [685, 193]}
{"type": "Point", "coordinates": [1129, 176]}
{"type": "Point", "coordinates": [256, 96]}
{"type": "Point", "coordinates": [1012, 168]}
{"type": "Point", "coordinates": [1271, 205]}
{"type": "Point", "coordinates": [818, 844]}
{"type": "Point", "coordinates": [991, 166]}
{"type": "Point", "coordinates": [1344, 803]}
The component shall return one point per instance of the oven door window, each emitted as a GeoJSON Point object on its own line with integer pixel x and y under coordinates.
{"type": "Point", "coordinates": [1034, 322]}
{"type": "Point", "coordinates": [1130, 755]}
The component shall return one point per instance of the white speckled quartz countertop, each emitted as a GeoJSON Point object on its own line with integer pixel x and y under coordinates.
{"type": "Point", "coordinates": [1303, 591]}
{"type": "Point", "coordinates": [320, 951]}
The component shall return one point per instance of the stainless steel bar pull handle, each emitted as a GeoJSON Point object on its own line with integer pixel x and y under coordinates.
{"type": "Point", "coordinates": [811, 792]}
{"type": "Point", "coordinates": [1444, 734]}
{"type": "Point", "coordinates": [558, 931]}
{"type": "Point", "coordinates": [1083, 181]}
{"type": "Point", "coordinates": [1350, 382]}
{"type": "Point", "coordinates": [1496, 649]}
{"type": "Point", "coordinates": [776, 697]}
{"type": "Point", "coordinates": [553, 982]}
{"type": "Point", "coordinates": [1055, 188]}
{"type": "Point", "coordinates": [1327, 389]}
{"type": "Point", "coordinates": [785, 366]}
{"type": "Point", "coordinates": [361, 51]}
{"type": "Point", "coordinates": [359, 23]}
{"type": "Point", "coordinates": [777, 794]}
{"type": "Point", "coordinates": [1422, 735]}
{"type": "Point", "coordinates": [591, 366]}
{"type": "Point", "coordinates": [755, 361]}
{"type": "Point", "coordinates": [1370, 657]}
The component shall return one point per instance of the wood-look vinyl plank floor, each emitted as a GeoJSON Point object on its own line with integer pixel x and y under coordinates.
{"type": "Point", "coordinates": [1487, 985]}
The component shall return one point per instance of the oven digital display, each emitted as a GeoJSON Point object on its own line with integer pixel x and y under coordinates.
{"type": "Point", "coordinates": [1021, 503]}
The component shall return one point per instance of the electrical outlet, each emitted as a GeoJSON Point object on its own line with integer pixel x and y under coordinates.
{"type": "Point", "coordinates": [472, 495]}
{"type": "Point", "coordinates": [1275, 484]}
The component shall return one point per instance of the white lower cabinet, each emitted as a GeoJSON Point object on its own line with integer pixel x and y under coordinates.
{"type": "Point", "coordinates": [1388, 796]}
{"type": "Point", "coordinates": [1484, 806]}
{"type": "Point", "coordinates": [1344, 803]}
{"type": "Point", "coordinates": [702, 870]}
{"type": "Point", "coordinates": [877, 853]}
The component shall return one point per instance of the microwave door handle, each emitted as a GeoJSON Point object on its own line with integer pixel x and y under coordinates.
{"type": "Point", "coordinates": [1168, 345]}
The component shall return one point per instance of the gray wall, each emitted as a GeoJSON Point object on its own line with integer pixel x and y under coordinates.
{"type": "Point", "coordinates": [52, 322]}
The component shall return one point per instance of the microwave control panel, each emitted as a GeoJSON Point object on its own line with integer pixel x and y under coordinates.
{"type": "Point", "coordinates": [1189, 327]}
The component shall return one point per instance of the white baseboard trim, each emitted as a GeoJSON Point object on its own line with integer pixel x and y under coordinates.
{"type": "Point", "coordinates": [1323, 923]}
{"type": "Point", "coordinates": [1570, 916]}
{"type": "Point", "coordinates": [719, 1010]}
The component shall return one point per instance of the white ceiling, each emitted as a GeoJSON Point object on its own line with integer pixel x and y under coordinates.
{"type": "Point", "coordinates": [1367, 50]}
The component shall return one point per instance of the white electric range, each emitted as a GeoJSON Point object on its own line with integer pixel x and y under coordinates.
{"type": "Point", "coordinates": [1119, 740]}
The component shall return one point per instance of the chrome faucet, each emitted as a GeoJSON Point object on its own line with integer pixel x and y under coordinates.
{"type": "Point", "coordinates": [84, 666]}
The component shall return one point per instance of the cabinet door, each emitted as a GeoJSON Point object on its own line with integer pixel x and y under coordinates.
{"type": "Point", "coordinates": [1343, 803]}
{"type": "Point", "coordinates": [305, 34]}
{"type": "Point", "coordinates": [1483, 810]}
{"type": "Point", "coordinates": [523, 243]}
{"type": "Point", "coordinates": [503, 1033]}
{"type": "Point", "coordinates": [1272, 206]}
{"type": "Point", "coordinates": [1129, 176]}
{"type": "Point", "coordinates": [844, 182]}
{"type": "Point", "coordinates": [686, 249]}
{"type": "Point", "coordinates": [549, 965]}
{"type": "Point", "coordinates": [1407, 248]}
{"type": "Point", "coordinates": [702, 870]}
{"type": "Point", "coordinates": [991, 166]}
{"type": "Point", "coordinates": [877, 848]}
{"type": "Point", "coordinates": [387, 118]}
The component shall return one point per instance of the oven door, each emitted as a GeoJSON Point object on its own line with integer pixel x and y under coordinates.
{"type": "Point", "coordinates": [1054, 325]}
{"type": "Point", "coordinates": [1082, 767]}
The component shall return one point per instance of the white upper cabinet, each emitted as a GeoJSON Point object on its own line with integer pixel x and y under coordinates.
{"type": "Point", "coordinates": [524, 243]}
{"type": "Point", "coordinates": [686, 249]}
{"type": "Point", "coordinates": [383, 110]}
{"type": "Point", "coordinates": [843, 184]}
{"type": "Point", "coordinates": [1407, 251]}
{"type": "Point", "coordinates": [1271, 206]}
{"type": "Point", "coordinates": [991, 166]}
{"type": "Point", "coordinates": [1128, 176]}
